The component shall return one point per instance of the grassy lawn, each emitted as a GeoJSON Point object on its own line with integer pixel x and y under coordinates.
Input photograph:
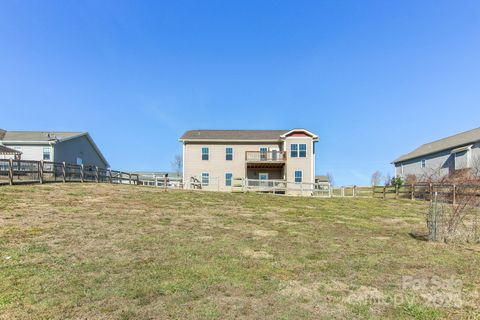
{"type": "Point", "coordinates": [121, 252]}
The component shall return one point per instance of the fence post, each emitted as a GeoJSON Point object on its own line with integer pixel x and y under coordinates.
{"type": "Point", "coordinates": [396, 191]}
{"type": "Point", "coordinates": [354, 191]}
{"type": "Point", "coordinates": [412, 195]}
{"type": "Point", "coordinates": [64, 173]}
{"type": "Point", "coordinates": [82, 173]}
{"type": "Point", "coordinates": [454, 194]}
{"type": "Point", "coordinates": [156, 181]}
{"type": "Point", "coordinates": [165, 182]}
{"type": "Point", "coordinates": [431, 192]}
{"type": "Point", "coordinates": [40, 171]}
{"type": "Point", "coordinates": [129, 178]}
{"type": "Point", "coordinates": [110, 175]}
{"type": "Point", "coordinates": [96, 174]}
{"type": "Point", "coordinates": [10, 171]}
{"type": "Point", "coordinates": [384, 192]}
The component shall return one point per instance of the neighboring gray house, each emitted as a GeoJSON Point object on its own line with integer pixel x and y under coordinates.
{"type": "Point", "coordinates": [441, 158]}
{"type": "Point", "coordinates": [71, 147]}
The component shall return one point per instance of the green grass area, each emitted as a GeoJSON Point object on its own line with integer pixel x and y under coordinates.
{"type": "Point", "coordinates": [91, 251]}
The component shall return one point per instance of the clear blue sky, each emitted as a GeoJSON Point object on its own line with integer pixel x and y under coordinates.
{"type": "Point", "coordinates": [374, 79]}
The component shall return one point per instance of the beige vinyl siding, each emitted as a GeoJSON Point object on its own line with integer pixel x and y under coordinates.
{"type": "Point", "coordinates": [306, 165]}
{"type": "Point", "coordinates": [217, 165]}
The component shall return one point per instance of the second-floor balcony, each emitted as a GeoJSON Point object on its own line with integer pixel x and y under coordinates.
{"type": "Point", "coordinates": [265, 156]}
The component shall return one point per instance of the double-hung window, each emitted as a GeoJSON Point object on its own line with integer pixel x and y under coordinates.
{"type": "Point", "coordinates": [298, 176]}
{"type": "Point", "coordinates": [46, 153]}
{"type": "Point", "coordinates": [205, 179]}
{"type": "Point", "coordinates": [228, 179]}
{"type": "Point", "coordinates": [294, 150]}
{"type": "Point", "coordinates": [302, 153]}
{"type": "Point", "coordinates": [228, 153]}
{"type": "Point", "coordinates": [204, 153]}
{"type": "Point", "coordinates": [263, 153]}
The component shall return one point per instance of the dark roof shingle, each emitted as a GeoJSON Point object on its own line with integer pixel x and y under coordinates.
{"type": "Point", "coordinates": [39, 135]}
{"type": "Point", "coordinates": [451, 142]}
{"type": "Point", "coordinates": [242, 135]}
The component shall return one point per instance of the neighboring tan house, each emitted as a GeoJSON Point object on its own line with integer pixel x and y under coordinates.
{"type": "Point", "coordinates": [69, 147]}
{"type": "Point", "coordinates": [457, 153]}
{"type": "Point", "coordinates": [214, 158]}
{"type": "Point", "coordinates": [322, 182]}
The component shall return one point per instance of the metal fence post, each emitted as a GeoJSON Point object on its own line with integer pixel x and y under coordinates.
{"type": "Point", "coordinates": [82, 173]}
{"type": "Point", "coordinates": [96, 174]}
{"type": "Point", "coordinates": [110, 175]}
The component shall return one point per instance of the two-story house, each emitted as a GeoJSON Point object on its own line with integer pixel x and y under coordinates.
{"type": "Point", "coordinates": [214, 158]}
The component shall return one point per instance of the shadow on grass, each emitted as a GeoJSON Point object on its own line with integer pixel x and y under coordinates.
{"type": "Point", "coordinates": [419, 236]}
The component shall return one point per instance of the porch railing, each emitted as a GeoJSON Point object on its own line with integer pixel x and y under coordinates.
{"type": "Point", "coordinates": [259, 156]}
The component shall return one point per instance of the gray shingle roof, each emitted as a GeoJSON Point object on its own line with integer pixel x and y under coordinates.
{"type": "Point", "coordinates": [243, 135]}
{"type": "Point", "coordinates": [7, 150]}
{"type": "Point", "coordinates": [322, 178]}
{"type": "Point", "coordinates": [451, 142]}
{"type": "Point", "coordinates": [39, 135]}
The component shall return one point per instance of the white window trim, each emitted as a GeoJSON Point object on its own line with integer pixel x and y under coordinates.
{"type": "Point", "coordinates": [231, 179]}
{"type": "Point", "coordinates": [226, 153]}
{"type": "Point", "coordinates": [423, 163]}
{"type": "Point", "coordinates": [295, 177]}
{"type": "Point", "coordinates": [208, 181]}
{"type": "Point", "coordinates": [208, 153]}
{"type": "Point", "coordinates": [298, 151]}
{"type": "Point", "coordinates": [306, 155]}
{"type": "Point", "coordinates": [49, 149]}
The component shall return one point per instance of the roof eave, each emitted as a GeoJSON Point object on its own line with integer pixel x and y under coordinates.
{"type": "Point", "coordinates": [229, 140]}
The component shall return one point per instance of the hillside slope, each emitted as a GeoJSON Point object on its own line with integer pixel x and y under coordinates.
{"type": "Point", "coordinates": [109, 251]}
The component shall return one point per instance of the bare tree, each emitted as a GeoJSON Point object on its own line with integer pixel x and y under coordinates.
{"type": "Point", "coordinates": [376, 178]}
{"type": "Point", "coordinates": [177, 164]}
{"type": "Point", "coordinates": [330, 179]}
{"type": "Point", "coordinates": [454, 213]}
{"type": "Point", "coordinates": [387, 179]}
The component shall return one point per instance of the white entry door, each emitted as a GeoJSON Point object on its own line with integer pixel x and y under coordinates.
{"type": "Point", "coordinates": [263, 177]}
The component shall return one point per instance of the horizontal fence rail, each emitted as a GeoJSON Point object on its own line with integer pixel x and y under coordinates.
{"type": "Point", "coordinates": [14, 171]}
{"type": "Point", "coordinates": [426, 191]}
{"type": "Point", "coordinates": [270, 156]}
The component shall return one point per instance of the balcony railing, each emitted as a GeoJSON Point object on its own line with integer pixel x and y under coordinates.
{"type": "Point", "coordinates": [270, 156]}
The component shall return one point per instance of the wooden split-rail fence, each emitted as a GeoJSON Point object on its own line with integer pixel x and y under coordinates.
{"type": "Point", "coordinates": [14, 171]}
{"type": "Point", "coordinates": [425, 191]}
